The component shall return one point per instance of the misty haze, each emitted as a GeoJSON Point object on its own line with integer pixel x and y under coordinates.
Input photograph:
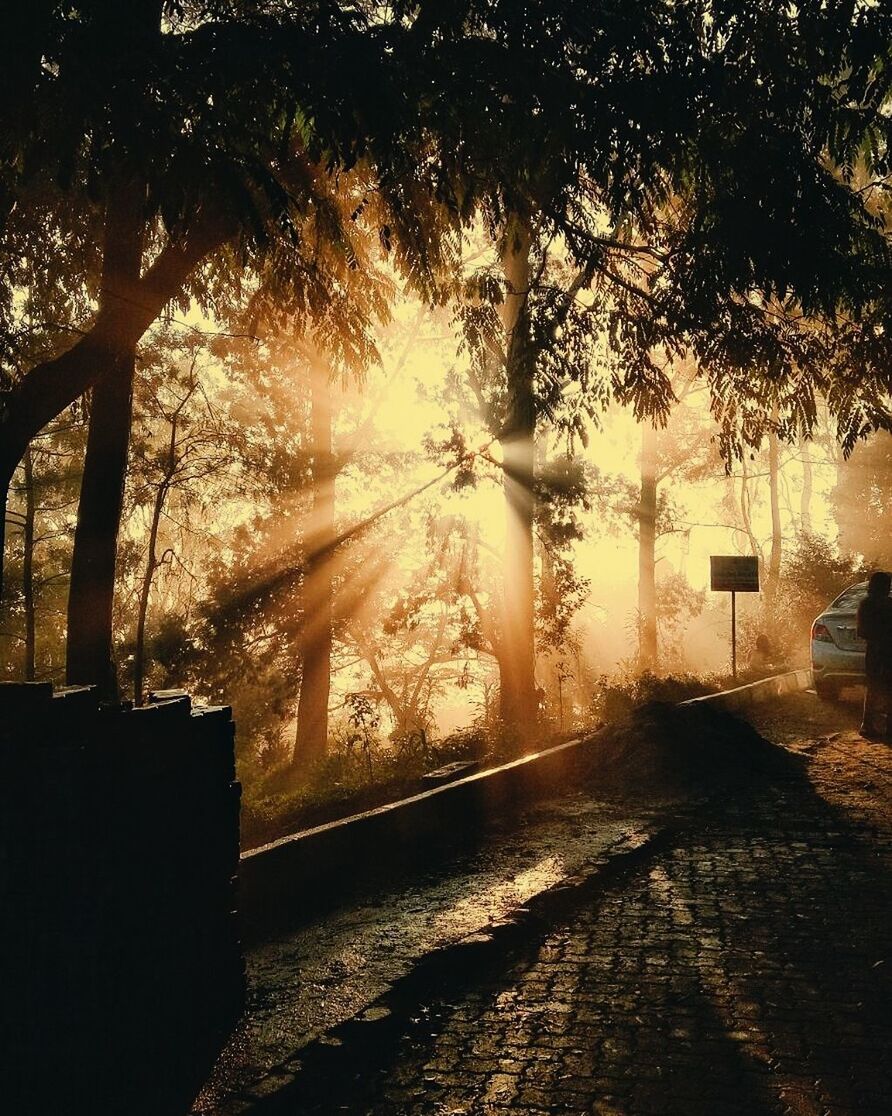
{"type": "Point", "coordinates": [445, 657]}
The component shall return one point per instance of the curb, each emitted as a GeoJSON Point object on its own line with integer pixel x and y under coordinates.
{"type": "Point", "coordinates": [742, 697]}
{"type": "Point", "coordinates": [305, 872]}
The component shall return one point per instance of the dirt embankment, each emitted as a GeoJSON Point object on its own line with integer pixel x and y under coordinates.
{"type": "Point", "coordinates": [663, 750]}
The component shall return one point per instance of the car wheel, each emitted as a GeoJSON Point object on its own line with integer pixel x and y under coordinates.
{"type": "Point", "coordinates": [827, 691]}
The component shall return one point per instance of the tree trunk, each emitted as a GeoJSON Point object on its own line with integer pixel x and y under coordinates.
{"type": "Point", "coordinates": [4, 511]}
{"type": "Point", "coordinates": [28, 567]}
{"type": "Point", "coordinates": [311, 741]}
{"type": "Point", "coordinates": [647, 541]}
{"type": "Point", "coordinates": [51, 386]}
{"type": "Point", "coordinates": [807, 489]}
{"type": "Point", "coordinates": [91, 593]}
{"type": "Point", "coordinates": [144, 594]}
{"type": "Point", "coordinates": [774, 557]}
{"type": "Point", "coordinates": [746, 507]}
{"type": "Point", "coordinates": [548, 666]}
{"type": "Point", "coordinates": [518, 702]}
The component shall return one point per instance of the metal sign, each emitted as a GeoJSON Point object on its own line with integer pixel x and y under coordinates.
{"type": "Point", "coordinates": [733, 573]}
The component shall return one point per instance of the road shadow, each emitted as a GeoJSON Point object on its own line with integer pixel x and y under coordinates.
{"type": "Point", "coordinates": [743, 970]}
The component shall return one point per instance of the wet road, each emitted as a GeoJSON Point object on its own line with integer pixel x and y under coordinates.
{"type": "Point", "coordinates": [305, 982]}
{"type": "Point", "coordinates": [745, 969]}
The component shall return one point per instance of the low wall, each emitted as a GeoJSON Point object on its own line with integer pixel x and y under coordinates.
{"type": "Point", "coordinates": [305, 871]}
{"type": "Point", "coordinates": [121, 967]}
{"type": "Point", "coordinates": [309, 870]}
{"type": "Point", "coordinates": [742, 697]}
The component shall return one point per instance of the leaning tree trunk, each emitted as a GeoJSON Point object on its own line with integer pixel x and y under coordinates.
{"type": "Point", "coordinates": [311, 740]}
{"type": "Point", "coordinates": [28, 567]}
{"type": "Point", "coordinates": [647, 542]}
{"type": "Point", "coordinates": [518, 703]}
{"type": "Point", "coordinates": [91, 594]}
{"type": "Point", "coordinates": [54, 384]}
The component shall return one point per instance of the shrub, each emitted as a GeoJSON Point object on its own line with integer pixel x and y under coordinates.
{"type": "Point", "coordinates": [616, 698]}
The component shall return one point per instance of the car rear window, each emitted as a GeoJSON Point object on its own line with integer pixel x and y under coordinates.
{"type": "Point", "coordinates": [851, 598]}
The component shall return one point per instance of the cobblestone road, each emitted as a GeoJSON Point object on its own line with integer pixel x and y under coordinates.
{"type": "Point", "coordinates": [746, 971]}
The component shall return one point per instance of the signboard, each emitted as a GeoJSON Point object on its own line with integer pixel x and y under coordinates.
{"type": "Point", "coordinates": [733, 574]}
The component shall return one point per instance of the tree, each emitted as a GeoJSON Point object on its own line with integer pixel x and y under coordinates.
{"type": "Point", "coordinates": [650, 181]}
{"type": "Point", "coordinates": [647, 544]}
{"type": "Point", "coordinates": [201, 126]}
{"type": "Point", "coordinates": [317, 590]}
{"type": "Point", "coordinates": [860, 500]}
{"type": "Point", "coordinates": [185, 447]}
{"type": "Point", "coordinates": [418, 637]}
{"type": "Point", "coordinates": [639, 224]}
{"type": "Point", "coordinates": [43, 496]}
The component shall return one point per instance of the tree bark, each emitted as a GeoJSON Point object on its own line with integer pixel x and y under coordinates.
{"type": "Point", "coordinates": [51, 386]}
{"type": "Point", "coordinates": [774, 557]}
{"type": "Point", "coordinates": [311, 740]}
{"type": "Point", "coordinates": [807, 489]}
{"type": "Point", "coordinates": [28, 568]}
{"type": "Point", "coordinates": [518, 703]}
{"type": "Point", "coordinates": [91, 593]}
{"type": "Point", "coordinates": [89, 658]}
{"type": "Point", "coordinates": [647, 540]}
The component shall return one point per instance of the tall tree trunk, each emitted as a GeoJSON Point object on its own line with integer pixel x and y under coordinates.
{"type": "Point", "coordinates": [139, 652]}
{"type": "Point", "coordinates": [91, 594]}
{"type": "Point", "coordinates": [4, 511]}
{"type": "Point", "coordinates": [547, 667]}
{"type": "Point", "coordinates": [807, 488]}
{"type": "Point", "coordinates": [647, 542]}
{"type": "Point", "coordinates": [774, 557]}
{"type": "Point", "coordinates": [746, 507]}
{"type": "Point", "coordinates": [518, 703]}
{"type": "Point", "coordinates": [28, 567]}
{"type": "Point", "coordinates": [311, 741]}
{"type": "Point", "coordinates": [92, 588]}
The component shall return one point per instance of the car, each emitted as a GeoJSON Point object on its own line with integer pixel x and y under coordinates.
{"type": "Point", "coordinates": [837, 654]}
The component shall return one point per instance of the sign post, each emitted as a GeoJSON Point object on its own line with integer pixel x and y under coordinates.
{"type": "Point", "coordinates": [733, 573]}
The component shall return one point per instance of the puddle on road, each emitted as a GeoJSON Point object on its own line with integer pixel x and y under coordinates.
{"type": "Point", "coordinates": [466, 916]}
{"type": "Point", "coordinates": [308, 981]}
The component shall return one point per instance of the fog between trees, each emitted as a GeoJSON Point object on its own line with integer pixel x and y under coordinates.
{"type": "Point", "coordinates": [390, 372]}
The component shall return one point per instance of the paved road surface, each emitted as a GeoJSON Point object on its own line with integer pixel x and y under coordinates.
{"type": "Point", "coordinates": [743, 969]}
{"type": "Point", "coordinates": [306, 982]}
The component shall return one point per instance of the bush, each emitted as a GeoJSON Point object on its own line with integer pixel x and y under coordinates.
{"type": "Point", "coordinates": [358, 773]}
{"type": "Point", "coordinates": [813, 573]}
{"type": "Point", "coordinates": [616, 699]}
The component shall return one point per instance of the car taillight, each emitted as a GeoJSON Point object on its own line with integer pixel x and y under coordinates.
{"type": "Point", "coordinates": [821, 633]}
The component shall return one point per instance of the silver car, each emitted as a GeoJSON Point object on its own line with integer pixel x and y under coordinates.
{"type": "Point", "coordinates": [837, 655]}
